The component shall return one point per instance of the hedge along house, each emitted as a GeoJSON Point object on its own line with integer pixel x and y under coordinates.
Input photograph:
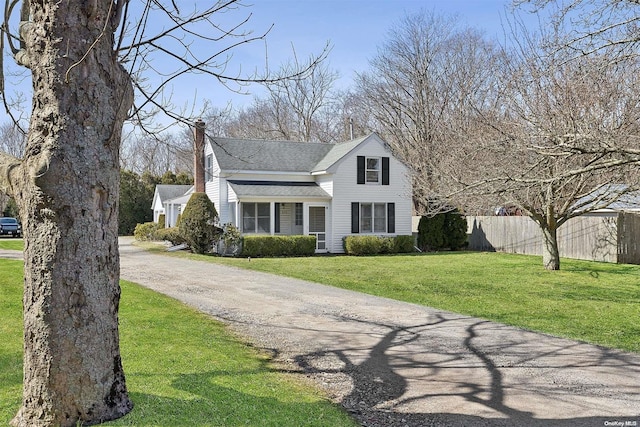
{"type": "Point", "coordinates": [301, 188]}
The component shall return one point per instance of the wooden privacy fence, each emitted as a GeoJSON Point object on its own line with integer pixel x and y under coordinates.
{"type": "Point", "coordinates": [607, 237]}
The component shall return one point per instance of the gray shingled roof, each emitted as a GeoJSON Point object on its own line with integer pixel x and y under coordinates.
{"type": "Point", "coordinates": [263, 155]}
{"type": "Point", "coordinates": [337, 152]}
{"type": "Point", "coordinates": [277, 189]}
{"type": "Point", "coordinates": [273, 156]}
{"type": "Point", "coordinates": [168, 192]}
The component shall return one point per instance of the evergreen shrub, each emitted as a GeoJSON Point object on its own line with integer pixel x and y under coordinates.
{"type": "Point", "coordinates": [145, 231]}
{"type": "Point", "coordinates": [447, 230]}
{"type": "Point", "coordinates": [171, 234]}
{"type": "Point", "coordinates": [373, 245]}
{"type": "Point", "coordinates": [197, 223]}
{"type": "Point", "coordinates": [161, 220]}
{"type": "Point", "coordinates": [275, 246]}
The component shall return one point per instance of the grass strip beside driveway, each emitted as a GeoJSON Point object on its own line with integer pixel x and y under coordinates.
{"type": "Point", "coordinates": [589, 301]}
{"type": "Point", "coordinates": [182, 367]}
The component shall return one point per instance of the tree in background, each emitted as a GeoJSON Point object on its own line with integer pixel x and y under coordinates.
{"type": "Point", "coordinates": [136, 198]}
{"type": "Point", "coordinates": [301, 109]}
{"type": "Point", "coordinates": [426, 75]}
{"type": "Point", "coordinates": [563, 129]}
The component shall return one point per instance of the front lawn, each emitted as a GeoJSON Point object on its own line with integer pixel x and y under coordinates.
{"type": "Point", "coordinates": [182, 368]}
{"type": "Point", "coordinates": [11, 243]}
{"type": "Point", "coordinates": [589, 301]}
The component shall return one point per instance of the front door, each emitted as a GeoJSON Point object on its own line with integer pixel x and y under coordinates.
{"type": "Point", "coordinates": [317, 227]}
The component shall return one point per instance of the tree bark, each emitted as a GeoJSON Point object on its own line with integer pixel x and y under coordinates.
{"type": "Point", "coordinates": [550, 250]}
{"type": "Point", "coordinates": [67, 189]}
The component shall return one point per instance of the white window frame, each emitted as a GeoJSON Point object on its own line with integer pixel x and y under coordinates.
{"type": "Point", "coordinates": [256, 217]}
{"type": "Point", "coordinates": [377, 170]}
{"type": "Point", "coordinates": [380, 219]}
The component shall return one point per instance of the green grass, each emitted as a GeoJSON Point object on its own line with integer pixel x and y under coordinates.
{"type": "Point", "coordinates": [182, 368]}
{"type": "Point", "coordinates": [11, 243]}
{"type": "Point", "coordinates": [589, 301]}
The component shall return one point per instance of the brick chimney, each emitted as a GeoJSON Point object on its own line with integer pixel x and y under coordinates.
{"type": "Point", "coordinates": [198, 156]}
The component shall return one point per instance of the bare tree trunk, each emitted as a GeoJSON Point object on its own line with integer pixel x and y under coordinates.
{"type": "Point", "coordinates": [550, 251]}
{"type": "Point", "coordinates": [67, 190]}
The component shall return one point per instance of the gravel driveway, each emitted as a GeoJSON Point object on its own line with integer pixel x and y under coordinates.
{"type": "Point", "coordinates": [397, 364]}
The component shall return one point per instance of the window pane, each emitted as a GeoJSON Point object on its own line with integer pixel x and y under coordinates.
{"type": "Point", "coordinates": [263, 209]}
{"type": "Point", "coordinates": [298, 214]}
{"type": "Point", "coordinates": [380, 218]}
{"type": "Point", "coordinates": [366, 218]}
{"type": "Point", "coordinates": [248, 218]}
{"type": "Point", "coordinates": [373, 169]}
{"type": "Point", "coordinates": [249, 224]}
{"type": "Point", "coordinates": [263, 225]}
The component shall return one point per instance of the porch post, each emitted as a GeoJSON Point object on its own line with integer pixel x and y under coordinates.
{"type": "Point", "coordinates": [272, 218]}
{"type": "Point", "coordinates": [305, 219]}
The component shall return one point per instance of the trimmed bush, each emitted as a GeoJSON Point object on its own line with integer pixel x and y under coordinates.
{"type": "Point", "coordinates": [373, 245]}
{"type": "Point", "coordinates": [145, 231]}
{"type": "Point", "coordinates": [446, 230]}
{"type": "Point", "coordinates": [161, 220]}
{"type": "Point", "coordinates": [171, 234]}
{"type": "Point", "coordinates": [431, 232]}
{"type": "Point", "coordinates": [362, 245]}
{"type": "Point", "coordinates": [404, 244]}
{"type": "Point", "coordinates": [455, 229]}
{"type": "Point", "coordinates": [274, 246]}
{"type": "Point", "coordinates": [197, 223]}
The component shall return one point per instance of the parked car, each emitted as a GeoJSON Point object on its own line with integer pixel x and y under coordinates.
{"type": "Point", "coordinates": [10, 227]}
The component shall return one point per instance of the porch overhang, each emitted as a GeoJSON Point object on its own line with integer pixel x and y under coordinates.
{"type": "Point", "coordinates": [278, 190]}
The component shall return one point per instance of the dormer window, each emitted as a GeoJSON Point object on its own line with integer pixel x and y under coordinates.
{"type": "Point", "coordinates": [372, 170]}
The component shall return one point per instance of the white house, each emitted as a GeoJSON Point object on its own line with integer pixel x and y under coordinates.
{"type": "Point", "coordinates": [326, 190]}
{"type": "Point", "coordinates": [167, 201]}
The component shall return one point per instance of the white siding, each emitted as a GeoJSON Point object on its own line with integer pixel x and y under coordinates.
{"type": "Point", "coordinates": [347, 191]}
{"type": "Point", "coordinates": [213, 187]}
{"type": "Point", "coordinates": [326, 183]}
{"type": "Point", "coordinates": [157, 207]}
{"type": "Point", "coordinates": [340, 183]}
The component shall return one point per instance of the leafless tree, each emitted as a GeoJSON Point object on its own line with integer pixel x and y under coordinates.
{"type": "Point", "coordinates": [301, 109]}
{"type": "Point", "coordinates": [88, 61]}
{"type": "Point", "coordinates": [12, 139]}
{"type": "Point", "coordinates": [158, 153]}
{"type": "Point", "coordinates": [420, 89]}
{"type": "Point", "coordinates": [591, 26]}
{"type": "Point", "coordinates": [561, 139]}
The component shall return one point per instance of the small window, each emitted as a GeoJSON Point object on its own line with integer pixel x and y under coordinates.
{"type": "Point", "coordinates": [208, 171]}
{"type": "Point", "coordinates": [372, 170]}
{"type": "Point", "coordinates": [298, 214]}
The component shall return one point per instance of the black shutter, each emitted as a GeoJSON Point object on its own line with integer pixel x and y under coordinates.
{"type": "Point", "coordinates": [391, 217]}
{"type": "Point", "coordinates": [355, 217]}
{"type": "Point", "coordinates": [361, 173]}
{"type": "Point", "coordinates": [385, 171]}
{"type": "Point", "coordinates": [276, 217]}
